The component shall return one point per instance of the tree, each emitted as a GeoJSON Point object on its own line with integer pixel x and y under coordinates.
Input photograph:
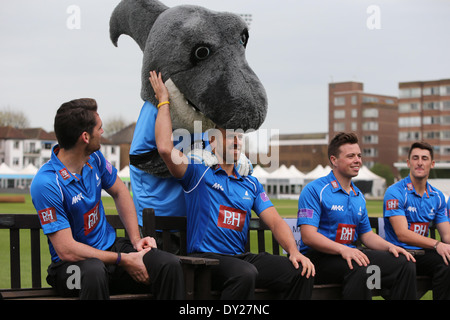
{"type": "Point", "coordinates": [113, 125]}
{"type": "Point", "coordinates": [16, 118]}
{"type": "Point", "coordinates": [385, 171]}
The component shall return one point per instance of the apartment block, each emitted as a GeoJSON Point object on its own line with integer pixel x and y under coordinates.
{"type": "Point", "coordinates": [424, 114]}
{"type": "Point", "coordinates": [373, 117]}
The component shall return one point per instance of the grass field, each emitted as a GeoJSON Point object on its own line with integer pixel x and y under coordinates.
{"type": "Point", "coordinates": [286, 208]}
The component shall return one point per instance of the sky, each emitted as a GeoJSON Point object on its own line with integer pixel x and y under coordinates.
{"type": "Point", "coordinates": [53, 51]}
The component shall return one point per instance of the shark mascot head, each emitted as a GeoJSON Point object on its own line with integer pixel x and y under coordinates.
{"type": "Point", "coordinates": [201, 55]}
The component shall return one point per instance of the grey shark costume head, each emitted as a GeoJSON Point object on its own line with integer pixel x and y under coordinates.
{"type": "Point", "coordinates": [201, 55]}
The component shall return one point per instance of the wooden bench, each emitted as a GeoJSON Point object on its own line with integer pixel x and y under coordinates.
{"type": "Point", "coordinates": [17, 222]}
{"type": "Point", "coordinates": [263, 238]}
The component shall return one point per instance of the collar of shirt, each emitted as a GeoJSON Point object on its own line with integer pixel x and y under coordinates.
{"type": "Point", "coordinates": [336, 186]}
{"type": "Point", "coordinates": [410, 187]}
{"type": "Point", "coordinates": [218, 169]}
{"type": "Point", "coordinates": [64, 175]}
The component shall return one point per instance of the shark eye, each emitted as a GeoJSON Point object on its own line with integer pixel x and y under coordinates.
{"type": "Point", "coordinates": [244, 38]}
{"type": "Point", "coordinates": [201, 52]}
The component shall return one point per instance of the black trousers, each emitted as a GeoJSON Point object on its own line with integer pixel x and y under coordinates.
{"type": "Point", "coordinates": [431, 264]}
{"type": "Point", "coordinates": [98, 280]}
{"type": "Point", "coordinates": [398, 275]}
{"type": "Point", "coordinates": [237, 276]}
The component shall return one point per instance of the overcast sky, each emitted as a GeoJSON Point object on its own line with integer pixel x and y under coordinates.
{"type": "Point", "coordinates": [296, 48]}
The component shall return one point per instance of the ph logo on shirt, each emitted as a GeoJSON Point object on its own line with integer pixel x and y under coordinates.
{"type": "Point", "coordinates": [91, 219]}
{"type": "Point", "coordinates": [231, 218]}
{"type": "Point", "coordinates": [47, 215]}
{"type": "Point", "coordinates": [345, 233]}
{"type": "Point", "coordinates": [392, 204]}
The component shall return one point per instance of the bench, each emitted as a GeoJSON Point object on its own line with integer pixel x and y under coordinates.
{"type": "Point", "coordinates": [265, 241]}
{"type": "Point", "coordinates": [17, 222]}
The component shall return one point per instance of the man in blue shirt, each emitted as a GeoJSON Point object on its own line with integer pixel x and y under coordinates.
{"type": "Point", "coordinates": [161, 191]}
{"type": "Point", "coordinates": [332, 215]}
{"type": "Point", "coordinates": [219, 202]}
{"type": "Point", "coordinates": [410, 207]}
{"type": "Point", "coordinates": [66, 193]}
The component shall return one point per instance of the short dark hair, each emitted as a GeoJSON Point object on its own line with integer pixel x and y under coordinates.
{"type": "Point", "coordinates": [421, 145]}
{"type": "Point", "coordinates": [72, 119]}
{"type": "Point", "coordinates": [340, 139]}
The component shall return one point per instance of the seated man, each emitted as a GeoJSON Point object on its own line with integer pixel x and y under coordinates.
{"type": "Point", "coordinates": [219, 202]}
{"type": "Point", "coordinates": [410, 206]}
{"type": "Point", "coordinates": [333, 215]}
{"type": "Point", "coordinates": [66, 193]}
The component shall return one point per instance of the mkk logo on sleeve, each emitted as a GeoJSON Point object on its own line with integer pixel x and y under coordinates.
{"type": "Point", "coordinates": [345, 233]}
{"type": "Point", "coordinates": [231, 218]}
{"type": "Point", "coordinates": [47, 215]}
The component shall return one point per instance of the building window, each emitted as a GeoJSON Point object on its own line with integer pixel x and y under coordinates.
{"type": "Point", "coordinates": [435, 105]}
{"type": "Point", "coordinates": [432, 120]}
{"type": "Point", "coordinates": [370, 113]}
{"type": "Point", "coordinates": [430, 91]}
{"type": "Point", "coordinates": [409, 93]}
{"type": "Point", "coordinates": [354, 126]}
{"type": "Point", "coordinates": [408, 107]}
{"type": "Point", "coordinates": [16, 145]}
{"type": "Point", "coordinates": [370, 152]}
{"type": "Point", "coordinates": [339, 126]}
{"type": "Point", "coordinates": [409, 136]}
{"type": "Point", "coordinates": [370, 125]}
{"type": "Point", "coordinates": [354, 113]}
{"type": "Point", "coordinates": [339, 101]}
{"type": "Point", "coordinates": [373, 138]}
{"type": "Point", "coordinates": [370, 99]}
{"type": "Point", "coordinates": [445, 90]}
{"type": "Point", "coordinates": [339, 114]}
{"type": "Point", "coordinates": [354, 100]}
{"type": "Point", "coordinates": [432, 135]}
{"type": "Point", "coordinates": [409, 122]}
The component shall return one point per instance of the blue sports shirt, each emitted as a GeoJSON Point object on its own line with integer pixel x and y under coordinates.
{"type": "Point", "coordinates": [66, 200]}
{"type": "Point", "coordinates": [164, 195]}
{"type": "Point", "coordinates": [339, 216]}
{"type": "Point", "coordinates": [219, 208]}
{"type": "Point", "coordinates": [401, 199]}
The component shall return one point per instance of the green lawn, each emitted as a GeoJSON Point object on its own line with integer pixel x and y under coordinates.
{"type": "Point", "coordinates": [286, 208]}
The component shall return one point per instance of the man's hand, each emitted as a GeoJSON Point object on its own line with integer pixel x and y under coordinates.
{"type": "Point", "coordinates": [144, 243]}
{"type": "Point", "coordinates": [395, 250]}
{"type": "Point", "coordinates": [444, 251]}
{"type": "Point", "coordinates": [308, 267]}
{"type": "Point", "coordinates": [358, 256]}
{"type": "Point", "coordinates": [133, 264]}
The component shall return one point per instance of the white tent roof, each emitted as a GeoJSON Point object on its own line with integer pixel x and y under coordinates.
{"type": "Point", "coordinates": [295, 172]}
{"type": "Point", "coordinates": [29, 169]}
{"type": "Point", "coordinates": [124, 173]}
{"type": "Point", "coordinates": [317, 172]}
{"type": "Point", "coordinates": [4, 169]}
{"type": "Point", "coordinates": [366, 174]}
{"type": "Point", "coordinates": [259, 172]}
{"type": "Point", "coordinates": [281, 173]}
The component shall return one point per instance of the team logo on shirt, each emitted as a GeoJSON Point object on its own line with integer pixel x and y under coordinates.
{"type": "Point", "coordinates": [47, 215]}
{"type": "Point", "coordinates": [91, 219]}
{"type": "Point", "coordinates": [231, 218]}
{"type": "Point", "coordinates": [419, 228]}
{"type": "Point", "coordinates": [335, 184]}
{"type": "Point", "coordinates": [409, 186]}
{"type": "Point", "coordinates": [345, 233]}
{"type": "Point", "coordinates": [392, 204]}
{"type": "Point", "coordinates": [305, 213]}
{"type": "Point", "coordinates": [64, 174]}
